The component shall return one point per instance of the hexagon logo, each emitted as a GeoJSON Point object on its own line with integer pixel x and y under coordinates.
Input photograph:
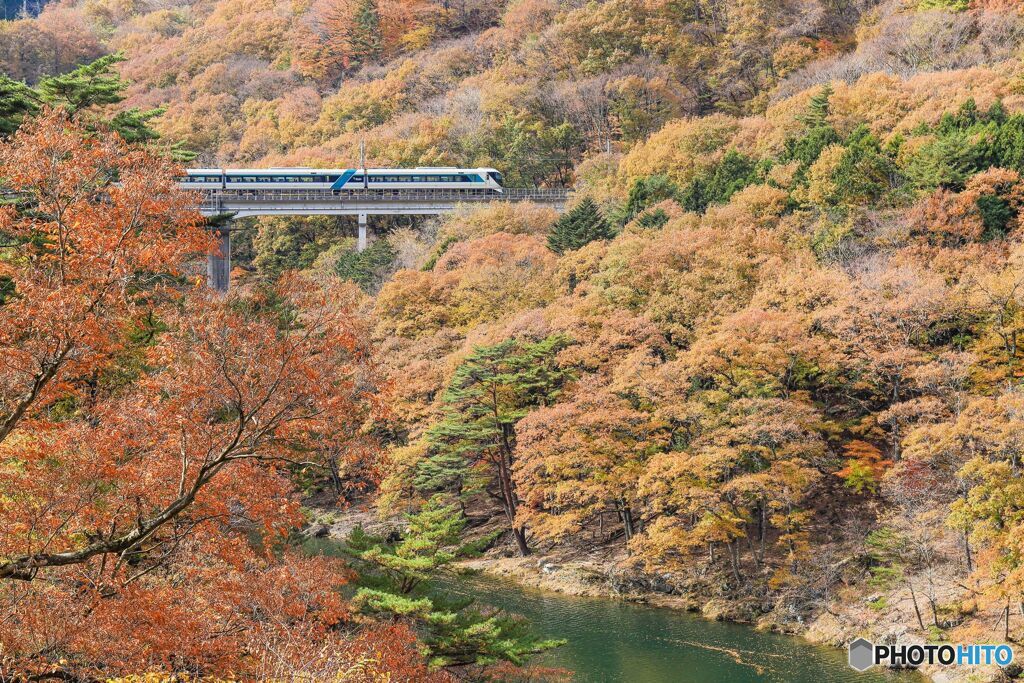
{"type": "Point", "coordinates": [862, 654]}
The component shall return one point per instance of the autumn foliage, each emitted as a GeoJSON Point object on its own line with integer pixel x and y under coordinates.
{"type": "Point", "coordinates": [146, 428]}
{"type": "Point", "coordinates": [772, 351]}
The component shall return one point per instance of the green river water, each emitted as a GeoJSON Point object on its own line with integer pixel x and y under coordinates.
{"type": "Point", "coordinates": [611, 641]}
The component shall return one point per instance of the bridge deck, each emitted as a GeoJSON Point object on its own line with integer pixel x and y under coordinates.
{"type": "Point", "coordinates": [369, 202]}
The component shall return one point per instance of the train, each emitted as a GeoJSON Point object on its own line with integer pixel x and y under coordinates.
{"type": "Point", "coordinates": [485, 179]}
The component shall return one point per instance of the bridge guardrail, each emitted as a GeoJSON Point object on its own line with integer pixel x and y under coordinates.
{"type": "Point", "coordinates": [213, 198]}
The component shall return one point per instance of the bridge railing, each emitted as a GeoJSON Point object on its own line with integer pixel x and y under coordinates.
{"type": "Point", "coordinates": [213, 198]}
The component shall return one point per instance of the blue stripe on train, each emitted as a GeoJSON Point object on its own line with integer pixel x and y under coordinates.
{"type": "Point", "coordinates": [342, 179]}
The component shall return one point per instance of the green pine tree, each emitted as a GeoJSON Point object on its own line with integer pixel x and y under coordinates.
{"type": "Point", "coordinates": [945, 162]}
{"type": "Point", "coordinates": [865, 173]}
{"type": "Point", "coordinates": [652, 220]}
{"type": "Point", "coordinates": [579, 227]}
{"type": "Point", "coordinates": [17, 101]}
{"type": "Point", "coordinates": [366, 268]}
{"type": "Point", "coordinates": [133, 124]}
{"type": "Point", "coordinates": [996, 214]}
{"type": "Point", "coordinates": [489, 393]}
{"type": "Point", "coordinates": [91, 84]}
{"type": "Point", "coordinates": [646, 192]}
{"type": "Point", "coordinates": [819, 134]}
{"type": "Point", "coordinates": [365, 37]}
{"type": "Point", "coordinates": [446, 470]}
{"type": "Point", "coordinates": [395, 579]}
{"type": "Point", "coordinates": [734, 172]}
{"type": "Point", "coordinates": [818, 109]}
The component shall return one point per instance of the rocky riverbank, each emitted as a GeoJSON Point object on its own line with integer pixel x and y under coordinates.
{"type": "Point", "coordinates": [596, 577]}
{"type": "Point", "coordinates": [851, 613]}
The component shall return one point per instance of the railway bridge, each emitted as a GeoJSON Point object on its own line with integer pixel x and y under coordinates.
{"type": "Point", "coordinates": [361, 203]}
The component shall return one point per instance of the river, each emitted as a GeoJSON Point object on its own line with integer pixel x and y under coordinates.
{"type": "Point", "coordinates": [612, 641]}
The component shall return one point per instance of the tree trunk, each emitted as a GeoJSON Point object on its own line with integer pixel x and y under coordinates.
{"type": "Point", "coordinates": [761, 533]}
{"type": "Point", "coordinates": [626, 514]}
{"type": "Point", "coordinates": [1006, 629]}
{"type": "Point", "coordinates": [917, 608]}
{"type": "Point", "coordinates": [752, 549]}
{"type": "Point", "coordinates": [508, 494]}
{"type": "Point", "coordinates": [734, 555]}
{"type": "Point", "coordinates": [967, 552]}
{"type": "Point", "coordinates": [520, 535]}
{"type": "Point", "coordinates": [335, 475]}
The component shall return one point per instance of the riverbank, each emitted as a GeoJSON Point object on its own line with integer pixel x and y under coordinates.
{"type": "Point", "coordinates": [559, 573]}
{"type": "Point", "coordinates": [619, 641]}
{"type": "Point", "coordinates": [581, 578]}
{"type": "Point", "coordinates": [606, 575]}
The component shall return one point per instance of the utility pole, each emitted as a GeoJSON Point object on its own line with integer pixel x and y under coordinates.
{"type": "Point", "coordinates": [362, 163]}
{"type": "Point", "coordinates": [361, 243]}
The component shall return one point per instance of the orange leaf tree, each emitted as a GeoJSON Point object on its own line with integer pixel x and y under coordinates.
{"type": "Point", "coordinates": [145, 426]}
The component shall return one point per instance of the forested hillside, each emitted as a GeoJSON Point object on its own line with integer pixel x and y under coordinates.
{"type": "Point", "coordinates": [769, 359]}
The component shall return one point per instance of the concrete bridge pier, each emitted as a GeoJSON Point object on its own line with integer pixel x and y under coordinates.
{"type": "Point", "coordinates": [361, 246]}
{"type": "Point", "coordinates": [359, 203]}
{"type": "Point", "coordinates": [218, 264]}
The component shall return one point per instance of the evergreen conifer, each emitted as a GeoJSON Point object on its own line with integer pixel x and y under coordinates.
{"type": "Point", "coordinates": [395, 579]}
{"type": "Point", "coordinates": [579, 227]}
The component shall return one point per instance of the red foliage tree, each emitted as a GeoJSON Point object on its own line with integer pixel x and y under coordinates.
{"type": "Point", "coordinates": [144, 425]}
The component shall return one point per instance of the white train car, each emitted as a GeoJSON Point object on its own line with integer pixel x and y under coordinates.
{"type": "Point", "coordinates": [203, 179]}
{"type": "Point", "coordinates": [486, 179]}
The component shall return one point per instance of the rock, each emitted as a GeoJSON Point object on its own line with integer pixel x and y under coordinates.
{"type": "Point", "coordinates": [632, 581]}
{"type": "Point", "coordinates": [316, 531]}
